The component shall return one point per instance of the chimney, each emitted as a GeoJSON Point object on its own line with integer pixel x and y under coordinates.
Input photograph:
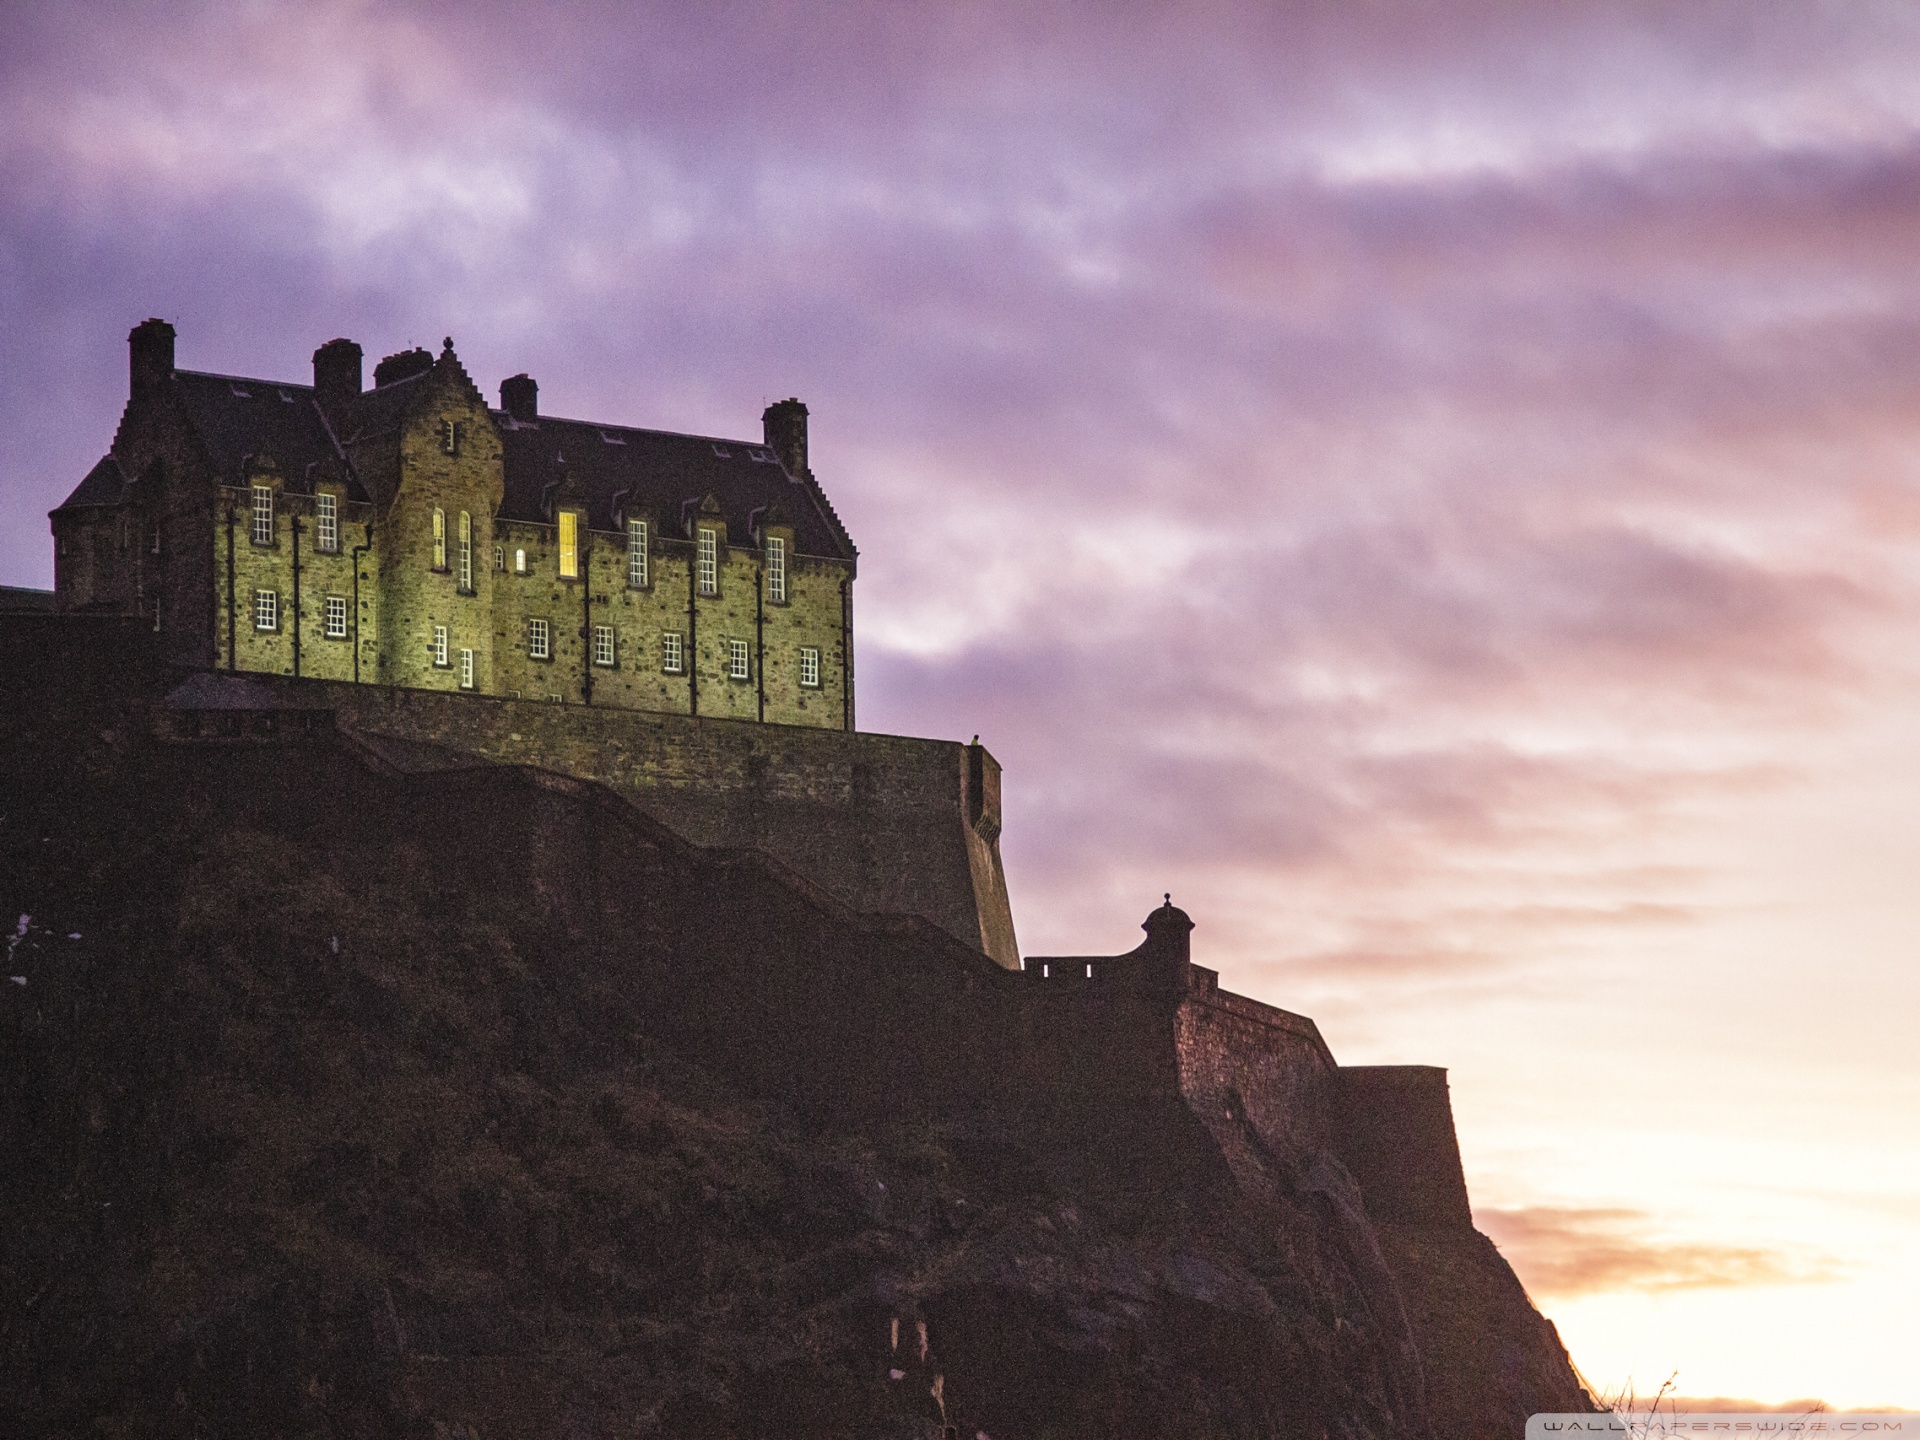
{"type": "Point", "coordinates": [785, 422]}
{"type": "Point", "coordinates": [149, 356]}
{"type": "Point", "coordinates": [336, 374]}
{"type": "Point", "coordinates": [520, 398]}
{"type": "Point", "coordinates": [403, 365]}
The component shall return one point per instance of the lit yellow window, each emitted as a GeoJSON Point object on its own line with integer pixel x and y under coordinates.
{"type": "Point", "coordinates": [569, 545]}
{"type": "Point", "coordinates": [439, 539]}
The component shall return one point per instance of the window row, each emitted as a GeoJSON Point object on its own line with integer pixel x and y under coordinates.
{"type": "Point", "coordinates": [335, 618]}
{"type": "Point", "coordinates": [326, 520]}
{"type": "Point", "coordinates": [333, 613]}
{"type": "Point", "coordinates": [639, 565]}
{"type": "Point", "coordinates": [673, 652]}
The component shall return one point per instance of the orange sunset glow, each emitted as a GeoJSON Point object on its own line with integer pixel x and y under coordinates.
{"type": "Point", "coordinates": [1434, 488]}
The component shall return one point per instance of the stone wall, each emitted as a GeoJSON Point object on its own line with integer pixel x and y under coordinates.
{"type": "Point", "coordinates": [1397, 1137]}
{"type": "Point", "coordinates": [881, 822]}
{"type": "Point", "coordinates": [301, 609]}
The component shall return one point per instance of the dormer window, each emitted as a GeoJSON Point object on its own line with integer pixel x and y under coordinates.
{"type": "Point", "coordinates": [439, 538]}
{"type": "Point", "coordinates": [262, 528]}
{"type": "Point", "coordinates": [569, 545]}
{"type": "Point", "coordinates": [776, 569]}
{"type": "Point", "coordinates": [707, 560]}
{"type": "Point", "coordinates": [450, 437]}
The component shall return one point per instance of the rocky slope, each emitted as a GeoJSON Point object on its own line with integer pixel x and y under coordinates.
{"type": "Point", "coordinates": [344, 1101]}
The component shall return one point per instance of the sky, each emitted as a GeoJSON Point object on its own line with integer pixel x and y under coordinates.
{"type": "Point", "coordinates": [1435, 487]}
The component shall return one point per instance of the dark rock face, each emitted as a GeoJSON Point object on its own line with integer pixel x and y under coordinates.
{"type": "Point", "coordinates": [340, 1101]}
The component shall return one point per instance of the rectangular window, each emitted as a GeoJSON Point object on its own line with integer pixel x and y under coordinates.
{"type": "Point", "coordinates": [266, 609]}
{"type": "Point", "coordinates": [737, 656]}
{"type": "Point", "coordinates": [466, 552]}
{"type": "Point", "coordinates": [810, 667]}
{"type": "Point", "coordinates": [439, 538]}
{"type": "Point", "coordinates": [326, 522]}
{"type": "Point", "coordinates": [336, 617]}
{"type": "Point", "coordinates": [708, 563]}
{"type": "Point", "coordinates": [440, 647]}
{"type": "Point", "coordinates": [466, 669]}
{"type": "Point", "coordinates": [450, 437]}
{"type": "Point", "coordinates": [672, 657]}
{"type": "Point", "coordinates": [539, 640]}
{"type": "Point", "coordinates": [637, 554]}
{"type": "Point", "coordinates": [569, 545]}
{"type": "Point", "coordinates": [776, 570]}
{"type": "Point", "coordinates": [603, 644]}
{"type": "Point", "coordinates": [262, 515]}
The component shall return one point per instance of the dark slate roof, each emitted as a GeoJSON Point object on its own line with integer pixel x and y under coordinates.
{"type": "Point", "coordinates": [239, 420]}
{"type": "Point", "coordinates": [623, 473]}
{"type": "Point", "coordinates": [105, 484]}
{"type": "Point", "coordinates": [617, 471]}
{"type": "Point", "coordinates": [17, 600]}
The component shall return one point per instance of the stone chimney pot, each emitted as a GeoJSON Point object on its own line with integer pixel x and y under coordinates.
{"type": "Point", "coordinates": [520, 398]}
{"type": "Point", "coordinates": [149, 356]}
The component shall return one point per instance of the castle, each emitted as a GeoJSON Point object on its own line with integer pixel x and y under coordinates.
{"type": "Point", "coordinates": [409, 535]}
{"type": "Point", "coordinates": [820, 912]}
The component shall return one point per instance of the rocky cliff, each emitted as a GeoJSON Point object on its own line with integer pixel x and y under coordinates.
{"type": "Point", "coordinates": [372, 1092]}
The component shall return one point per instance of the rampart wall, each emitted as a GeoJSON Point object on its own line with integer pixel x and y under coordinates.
{"type": "Point", "coordinates": [865, 1002]}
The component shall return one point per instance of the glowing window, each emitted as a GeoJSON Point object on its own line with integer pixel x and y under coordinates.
{"type": "Point", "coordinates": [776, 570]}
{"type": "Point", "coordinates": [519, 562]}
{"type": "Point", "coordinates": [326, 522]}
{"type": "Point", "coordinates": [569, 545]}
{"type": "Point", "coordinates": [439, 538]}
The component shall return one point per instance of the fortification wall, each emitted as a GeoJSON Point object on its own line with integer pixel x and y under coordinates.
{"type": "Point", "coordinates": [885, 824]}
{"type": "Point", "coordinates": [1245, 1064]}
{"type": "Point", "coordinates": [1397, 1137]}
{"type": "Point", "coordinates": [881, 822]}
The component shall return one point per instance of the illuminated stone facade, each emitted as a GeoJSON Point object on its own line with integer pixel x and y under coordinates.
{"type": "Point", "coordinates": [411, 535]}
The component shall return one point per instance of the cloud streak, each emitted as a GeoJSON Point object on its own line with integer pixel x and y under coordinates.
{"type": "Point", "coordinates": [1573, 1251]}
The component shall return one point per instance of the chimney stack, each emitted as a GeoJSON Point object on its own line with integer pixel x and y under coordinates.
{"type": "Point", "coordinates": [785, 423]}
{"type": "Point", "coordinates": [149, 356]}
{"type": "Point", "coordinates": [336, 374]}
{"type": "Point", "coordinates": [520, 398]}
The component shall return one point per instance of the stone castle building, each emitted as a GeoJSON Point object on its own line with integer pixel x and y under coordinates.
{"type": "Point", "coordinates": [343, 618]}
{"type": "Point", "coordinates": [410, 535]}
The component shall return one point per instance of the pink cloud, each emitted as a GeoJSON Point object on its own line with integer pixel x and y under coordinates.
{"type": "Point", "coordinates": [1569, 1251]}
